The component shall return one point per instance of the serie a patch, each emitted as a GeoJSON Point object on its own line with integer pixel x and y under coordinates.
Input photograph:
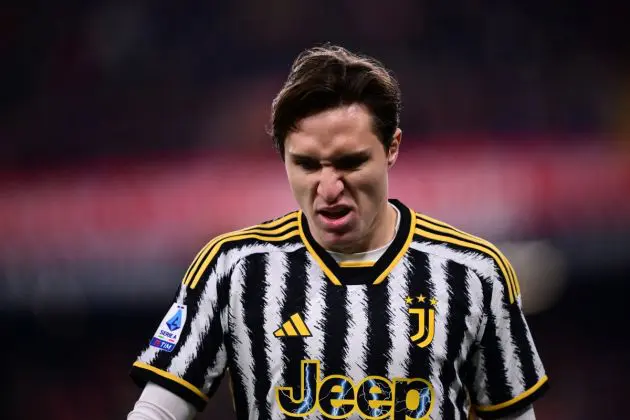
{"type": "Point", "coordinates": [168, 333]}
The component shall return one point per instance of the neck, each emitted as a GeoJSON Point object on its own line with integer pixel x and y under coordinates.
{"type": "Point", "coordinates": [383, 228]}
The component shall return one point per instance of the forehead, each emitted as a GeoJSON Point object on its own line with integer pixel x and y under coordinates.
{"type": "Point", "coordinates": [339, 130]}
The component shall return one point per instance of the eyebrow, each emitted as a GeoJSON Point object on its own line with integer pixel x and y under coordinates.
{"type": "Point", "coordinates": [360, 155]}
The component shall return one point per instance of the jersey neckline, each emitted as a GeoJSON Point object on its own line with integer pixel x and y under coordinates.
{"type": "Point", "coordinates": [374, 274]}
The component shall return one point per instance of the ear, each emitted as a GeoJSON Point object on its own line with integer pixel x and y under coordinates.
{"type": "Point", "coordinates": [392, 153]}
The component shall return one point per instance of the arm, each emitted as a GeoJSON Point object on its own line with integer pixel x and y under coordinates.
{"type": "Point", "coordinates": [157, 403]}
{"type": "Point", "coordinates": [507, 373]}
{"type": "Point", "coordinates": [186, 354]}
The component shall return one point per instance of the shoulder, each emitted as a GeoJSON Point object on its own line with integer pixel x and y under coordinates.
{"type": "Point", "coordinates": [436, 237]}
{"type": "Point", "coordinates": [281, 233]}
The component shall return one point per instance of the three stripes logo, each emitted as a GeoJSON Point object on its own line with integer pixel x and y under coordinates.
{"type": "Point", "coordinates": [294, 327]}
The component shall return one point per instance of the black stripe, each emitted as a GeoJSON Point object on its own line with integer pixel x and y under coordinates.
{"type": "Point", "coordinates": [494, 363]}
{"type": "Point", "coordinates": [211, 342]}
{"type": "Point", "coordinates": [419, 283]}
{"type": "Point", "coordinates": [459, 308]}
{"type": "Point", "coordinates": [489, 251]}
{"type": "Point", "coordinates": [460, 403]}
{"type": "Point", "coordinates": [295, 302]}
{"type": "Point", "coordinates": [253, 300]}
{"type": "Point", "coordinates": [524, 352]}
{"type": "Point", "coordinates": [379, 341]}
{"type": "Point", "coordinates": [335, 328]}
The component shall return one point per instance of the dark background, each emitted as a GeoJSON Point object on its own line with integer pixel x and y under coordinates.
{"type": "Point", "coordinates": [130, 133]}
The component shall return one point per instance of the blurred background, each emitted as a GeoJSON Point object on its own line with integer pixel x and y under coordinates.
{"type": "Point", "coordinates": [132, 132]}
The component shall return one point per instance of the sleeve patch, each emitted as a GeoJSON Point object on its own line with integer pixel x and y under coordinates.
{"type": "Point", "coordinates": [168, 333]}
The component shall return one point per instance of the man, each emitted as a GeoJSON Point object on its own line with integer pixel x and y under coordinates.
{"type": "Point", "coordinates": [354, 306]}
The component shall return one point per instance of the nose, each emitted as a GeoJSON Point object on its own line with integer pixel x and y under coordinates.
{"type": "Point", "coordinates": [330, 185]}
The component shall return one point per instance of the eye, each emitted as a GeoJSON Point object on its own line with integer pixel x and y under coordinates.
{"type": "Point", "coordinates": [350, 163]}
{"type": "Point", "coordinates": [308, 164]}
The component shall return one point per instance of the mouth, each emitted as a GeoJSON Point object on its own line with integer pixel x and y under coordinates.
{"type": "Point", "coordinates": [335, 219]}
{"type": "Point", "coordinates": [335, 213]}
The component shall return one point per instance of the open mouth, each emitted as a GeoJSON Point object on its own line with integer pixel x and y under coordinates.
{"type": "Point", "coordinates": [336, 213]}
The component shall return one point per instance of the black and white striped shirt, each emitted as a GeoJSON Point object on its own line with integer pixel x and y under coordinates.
{"type": "Point", "coordinates": [432, 329]}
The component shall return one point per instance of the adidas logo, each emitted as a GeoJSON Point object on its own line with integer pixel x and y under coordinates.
{"type": "Point", "coordinates": [294, 327]}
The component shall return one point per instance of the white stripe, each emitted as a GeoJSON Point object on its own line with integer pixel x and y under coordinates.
{"type": "Point", "coordinates": [243, 358]}
{"type": "Point", "coordinates": [442, 291]}
{"type": "Point", "coordinates": [452, 399]}
{"type": "Point", "coordinates": [315, 310]}
{"type": "Point", "coordinates": [473, 326]}
{"type": "Point", "coordinates": [276, 278]}
{"type": "Point", "coordinates": [398, 288]}
{"type": "Point", "coordinates": [511, 361]}
{"type": "Point", "coordinates": [215, 369]}
{"type": "Point", "coordinates": [480, 379]}
{"type": "Point", "coordinates": [356, 352]}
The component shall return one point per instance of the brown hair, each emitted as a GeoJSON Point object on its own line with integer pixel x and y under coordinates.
{"type": "Point", "coordinates": [329, 76]}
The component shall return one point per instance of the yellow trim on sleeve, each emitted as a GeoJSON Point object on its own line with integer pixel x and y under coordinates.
{"type": "Point", "coordinates": [514, 400]}
{"type": "Point", "coordinates": [173, 378]}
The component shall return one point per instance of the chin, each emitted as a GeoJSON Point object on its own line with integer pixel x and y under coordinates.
{"type": "Point", "coordinates": [340, 242]}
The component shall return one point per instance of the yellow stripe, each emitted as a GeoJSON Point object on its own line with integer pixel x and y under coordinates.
{"type": "Point", "coordinates": [288, 327]}
{"type": "Point", "coordinates": [299, 324]}
{"type": "Point", "coordinates": [402, 252]}
{"type": "Point", "coordinates": [173, 378]}
{"type": "Point", "coordinates": [435, 224]}
{"type": "Point", "coordinates": [466, 244]}
{"type": "Point", "coordinates": [279, 333]}
{"type": "Point", "coordinates": [514, 400]}
{"type": "Point", "coordinates": [195, 264]}
{"type": "Point", "coordinates": [357, 263]}
{"type": "Point", "coordinates": [250, 234]}
{"type": "Point", "coordinates": [274, 223]}
{"type": "Point", "coordinates": [310, 249]}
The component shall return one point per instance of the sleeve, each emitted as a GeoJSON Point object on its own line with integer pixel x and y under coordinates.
{"type": "Point", "coordinates": [157, 403]}
{"type": "Point", "coordinates": [507, 373]}
{"type": "Point", "coordinates": [187, 354]}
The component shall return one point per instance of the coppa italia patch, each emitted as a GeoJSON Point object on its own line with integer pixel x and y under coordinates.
{"type": "Point", "coordinates": [169, 331]}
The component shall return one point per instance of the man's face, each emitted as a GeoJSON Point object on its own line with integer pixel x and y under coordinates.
{"type": "Point", "coordinates": [337, 169]}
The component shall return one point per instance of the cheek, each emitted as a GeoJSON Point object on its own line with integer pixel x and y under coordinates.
{"type": "Point", "coordinates": [368, 182]}
{"type": "Point", "coordinates": [300, 184]}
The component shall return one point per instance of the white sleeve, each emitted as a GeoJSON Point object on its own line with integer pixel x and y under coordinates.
{"type": "Point", "coordinates": [157, 403]}
{"type": "Point", "coordinates": [526, 414]}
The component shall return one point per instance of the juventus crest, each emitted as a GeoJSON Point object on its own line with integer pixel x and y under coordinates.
{"type": "Point", "coordinates": [422, 319]}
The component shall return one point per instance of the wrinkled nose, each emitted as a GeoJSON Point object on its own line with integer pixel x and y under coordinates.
{"type": "Point", "coordinates": [330, 185]}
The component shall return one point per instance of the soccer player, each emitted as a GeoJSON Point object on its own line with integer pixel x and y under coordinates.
{"type": "Point", "coordinates": [353, 306]}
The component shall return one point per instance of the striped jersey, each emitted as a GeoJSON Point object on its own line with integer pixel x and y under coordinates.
{"type": "Point", "coordinates": [431, 330]}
